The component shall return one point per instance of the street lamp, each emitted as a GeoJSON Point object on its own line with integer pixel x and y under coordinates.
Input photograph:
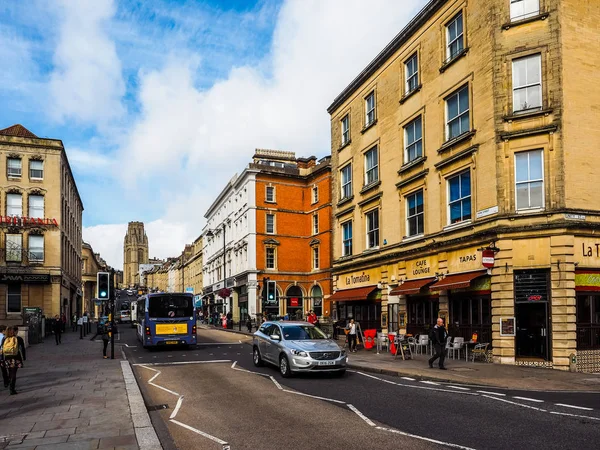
{"type": "Point", "coordinates": [210, 234]}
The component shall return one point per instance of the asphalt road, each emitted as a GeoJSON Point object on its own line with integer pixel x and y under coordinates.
{"type": "Point", "coordinates": [247, 407]}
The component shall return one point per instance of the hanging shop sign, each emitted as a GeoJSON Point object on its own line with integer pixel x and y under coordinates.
{"type": "Point", "coordinates": [22, 221]}
{"type": "Point", "coordinates": [487, 258]}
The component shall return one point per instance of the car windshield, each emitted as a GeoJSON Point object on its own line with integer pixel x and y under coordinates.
{"type": "Point", "coordinates": [302, 332]}
{"type": "Point", "coordinates": [169, 306]}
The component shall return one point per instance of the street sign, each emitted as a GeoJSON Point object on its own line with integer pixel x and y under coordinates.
{"type": "Point", "coordinates": [487, 258]}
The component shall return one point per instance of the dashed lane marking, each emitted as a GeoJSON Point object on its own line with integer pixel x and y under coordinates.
{"type": "Point", "coordinates": [361, 415]}
{"type": "Point", "coordinates": [460, 388]}
{"type": "Point", "coordinates": [574, 415]}
{"type": "Point", "coordinates": [434, 441]}
{"type": "Point", "coordinates": [408, 378]}
{"type": "Point", "coordinates": [430, 382]}
{"type": "Point", "coordinates": [527, 399]}
{"type": "Point", "coordinates": [275, 383]}
{"type": "Point", "coordinates": [411, 386]}
{"type": "Point", "coordinates": [574, 407]}
{"type": "Point", "coordinates": [515, 403]}
{"type": "Point", "coordinates": [492, 393]}
{"type": "Point", "coordinates": [176, 410]}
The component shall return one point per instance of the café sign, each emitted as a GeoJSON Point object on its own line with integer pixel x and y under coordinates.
{"type": "Point", "coordinates": [31, 278]}
{"type": "Point", "coordinates": [22, 221]}
{"type": "Point", "coordinates": [587, 251]}
{"type": "Point", "coordinates": [421, 268]}
{"type": "Point", "coordinates": [358, 279]}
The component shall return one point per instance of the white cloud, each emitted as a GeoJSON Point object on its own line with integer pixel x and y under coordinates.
{"type": "Point", "coordinates": [193, 140]}
{"type": "Point", "coordinates": [86, 85]}
{"type": "Point", "coordinates": [87, 161]}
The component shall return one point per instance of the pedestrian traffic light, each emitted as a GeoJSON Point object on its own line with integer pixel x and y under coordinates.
{"type": "Point", "coordinates": [103, 282]}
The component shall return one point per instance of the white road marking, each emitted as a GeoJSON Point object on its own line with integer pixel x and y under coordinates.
{"type": "Point", "coordinates": [527, 399]}
{"type": "Point", "coordinates": [275, 382]}
{"type": "Point", "coordinates": [220, 343]}
{"type": "Point", "coordinates": [574, 415]}
{"type": "Point", "coordinates": [575, 407]}
{"type": "Point", "coordinates": [233, 365]}
{"type": "Point", "coordinates": [201, 433]}
{"type": "Point", "coordinates": [416, 386]}
{"type": "Point", "coordinates": [447, 444]}
{"type": "Point", "coordinates": [430, 382]}
{"type": "Point", "coordinates": [176, 410]}
{"type": "Point", "coordinates": [514, 403]}
{"type": "Point", "coordinates": [361, 415]}
{"type": "Point", "coordinates": [177, 363]}
{"type": "Point", "coordinates": [408, 378]}
{"type": "Point", "coordinates": [459, 387]}
{"type": "Point", "coordinates": [314, 396]}
{"type": "Point", "coordinates": [492, 393]}
{"type": "Point", "coordinates": [151, 380]}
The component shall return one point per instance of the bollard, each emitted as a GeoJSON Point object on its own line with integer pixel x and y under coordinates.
{"type": "Point", "coordinates": [572, 362]}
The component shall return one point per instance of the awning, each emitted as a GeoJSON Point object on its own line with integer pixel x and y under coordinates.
{"type": "Point", "coordinates": [412, 286]}
{"type": "Point", "coordinates": [457, 281]}
{"type": "Point", "coordinates": [350, 295]}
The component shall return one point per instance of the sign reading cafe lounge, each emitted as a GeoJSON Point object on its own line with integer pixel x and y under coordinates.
{"type": "Point", "coordinates": [22, 221]}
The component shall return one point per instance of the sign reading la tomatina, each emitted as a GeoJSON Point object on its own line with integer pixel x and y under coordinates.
{"type": "Point", "coordinates": [590, 251]}
{"type": "Point", "coordinates": [363, 278]}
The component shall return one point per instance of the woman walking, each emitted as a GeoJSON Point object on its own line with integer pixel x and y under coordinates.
{"type": "Point", "coordinates": [57, 327]}
{"type": "Point", "coordinates": [352, 335]}
{"type": "Point", "coordinates": [105, 339]}
{"type": "Point", "coordinates": [12, 357]}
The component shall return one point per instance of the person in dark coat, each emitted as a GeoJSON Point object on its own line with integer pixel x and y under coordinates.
{"type": "Point", "coordinates": [100, 326]}
{"type": "Point", "coordinates": [57, 327]}
{"type": "Point", "coordinates": [439, 335]}
{"type": "Point", "coordinates": [3, 369]}
{"type": "Point", "coordinates": [105, 338]}
{"type": "Point", "coordinates": [12, 356]}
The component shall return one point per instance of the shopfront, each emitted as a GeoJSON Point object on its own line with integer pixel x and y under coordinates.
{"type": "Point", "coordinates": [420, 306]}
{"type": "Point", "coordinates": [294, 303]}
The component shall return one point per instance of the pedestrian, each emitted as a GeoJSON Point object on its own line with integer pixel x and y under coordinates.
{"type": "Point", "coordinates": [249, 324]}
{"type": "Point", "coordinates": [12, 357]}
{"type": "Point", "coordinates": [74, 322]}
{"type": "Point", "coordinates": [20, 342]}
{"type": "Point", "coordinates": [438, 336]}
{"type": "Point", "coordinates": [352, 336]}
{"type": "Point", "coordinates": [57, 328]}
{"type": "Point", "coordinates": [63, 322]}
{"type": "Point", "coordinates": [2, 368]}
{"type": "Point", "coordinates": [99, 329]}
{"type": "Point", "coordinates": [312, 318]}
{"type": "Point", "coordinates": [105, 330]}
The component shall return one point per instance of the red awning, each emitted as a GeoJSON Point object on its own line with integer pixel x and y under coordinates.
{"type": "Point", "coordinates": [457, 281]}
{"type": "Point", "coordinates": [349, 295]}
{"type": "Point", "coordinates": [412, 286]}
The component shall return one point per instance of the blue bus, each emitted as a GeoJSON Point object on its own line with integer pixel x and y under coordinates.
{"type": "Point", "coordinates": [166, 318]}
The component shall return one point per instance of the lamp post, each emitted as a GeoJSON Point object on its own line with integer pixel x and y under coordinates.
{"type": "Point", "coordinates": [210, 234]}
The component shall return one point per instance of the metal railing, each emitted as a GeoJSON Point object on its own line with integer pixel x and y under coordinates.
{"type": "Point", "coordinates": [588, 337]}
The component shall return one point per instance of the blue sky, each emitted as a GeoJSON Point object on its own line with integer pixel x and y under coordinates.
{"type": "Point", "coordinates": [160, 102]}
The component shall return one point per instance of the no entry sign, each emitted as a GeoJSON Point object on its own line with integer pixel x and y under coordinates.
{"type": "Point", "coordinates": [487, 258]}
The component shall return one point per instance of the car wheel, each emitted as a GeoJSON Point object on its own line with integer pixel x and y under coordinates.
{"type": "Point", "coordinates": [284, 367]}
{"type": "Point", "coordinates": [256, 358]}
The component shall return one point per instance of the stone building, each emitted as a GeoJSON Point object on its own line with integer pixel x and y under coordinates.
{"type": "Point", "coordinates": [135, 252]}
{"type": "Point", "coordinates": [271, 221]}
{"type": "Point", "coordinates": [40, 227]}
{"type": "Point", "coordinates": [471, 135]}
{"type": "Point", "coordinates": [91, 264]}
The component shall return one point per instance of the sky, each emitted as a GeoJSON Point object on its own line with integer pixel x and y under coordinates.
{"type": "Point", "coordinates": [160, 102]}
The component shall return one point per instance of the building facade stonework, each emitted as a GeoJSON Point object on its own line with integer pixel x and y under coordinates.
{"type": "Point", "coordinates": [40, 228]}
{"type": "Point", "coordinates": [135, 252]}
{"type": "Point", "coordinates": [470, 135]}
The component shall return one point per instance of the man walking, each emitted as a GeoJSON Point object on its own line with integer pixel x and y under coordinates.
{"type": "Point", "coordinates": [2, 368]}
{"type": "Point", "coordinates": [438, 336]}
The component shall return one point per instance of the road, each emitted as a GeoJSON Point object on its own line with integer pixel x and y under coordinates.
{"type": "Point", "coordinates": [214, 395]}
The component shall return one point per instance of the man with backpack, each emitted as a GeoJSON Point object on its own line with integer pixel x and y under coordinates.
{"type": "Point", "coordinates": [438, 335]}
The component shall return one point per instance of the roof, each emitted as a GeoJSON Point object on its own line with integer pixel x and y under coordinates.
{"type": "Point", "coordinates": [18, 130]}
{"type": "Point", "coordinates": [401, 38]}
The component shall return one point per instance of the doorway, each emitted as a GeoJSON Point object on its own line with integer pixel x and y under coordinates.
{"type": "Point", "coordinates": [533, 334]}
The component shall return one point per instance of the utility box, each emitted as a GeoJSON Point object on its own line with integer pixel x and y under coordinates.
{"type": "Point", "coordinates": [572, 362]}
{"type": "Point", "coordinates": [32, 318]}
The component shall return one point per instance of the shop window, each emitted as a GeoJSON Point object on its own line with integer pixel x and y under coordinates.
{"type": "Point", "coordinates": [588, 321]}
{"type": "Point", "coordinates": [13, 303]}
{"type": "Point", "coordinates": [393, 310]}
{"type": "Point", "coordinates": [317, 300]}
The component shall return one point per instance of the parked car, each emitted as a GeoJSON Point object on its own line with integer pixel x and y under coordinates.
{"type": "Point", "coordinates": [297, 347]}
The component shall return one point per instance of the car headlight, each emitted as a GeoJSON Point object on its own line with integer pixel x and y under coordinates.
{"type": "Point", "coordinates": [299, 353]}
{"type": "Point", "coordinates": [343, 352]}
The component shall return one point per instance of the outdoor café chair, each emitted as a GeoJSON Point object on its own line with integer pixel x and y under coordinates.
{"type": "Point", "coordinates": [480, 351]}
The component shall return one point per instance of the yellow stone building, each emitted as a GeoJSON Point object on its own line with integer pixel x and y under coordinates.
{"type": "Point", "coordinates": [91, 264]}
{"type": "Point", "coordinates": [40, 227]}
{"type": "Point", "coordinates": [474, 134]}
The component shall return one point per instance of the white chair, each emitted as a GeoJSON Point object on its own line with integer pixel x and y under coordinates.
{"type": "Point", "coordinates": [382, 341]}
{"type": "Point", "coordinates": [422, 342]}
{"type": "Point", "coordinates": [457, 346]}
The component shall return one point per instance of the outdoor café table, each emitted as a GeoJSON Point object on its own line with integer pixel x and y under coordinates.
{"type": "Point", "coordinates": [468, 344]}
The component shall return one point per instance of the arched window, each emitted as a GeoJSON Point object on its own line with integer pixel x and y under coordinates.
{"type": "Point", "coordinates": [294, 302]}
{"type": "Point", "coordinates": [316, 294]}
{"type": "Point", "coordinates": [128, 257]}
{"type": "Point", "coordinates": [140, 256]}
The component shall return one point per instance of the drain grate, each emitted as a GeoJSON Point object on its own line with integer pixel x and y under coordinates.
{"type": "Point", "coordinates": [158, 407]}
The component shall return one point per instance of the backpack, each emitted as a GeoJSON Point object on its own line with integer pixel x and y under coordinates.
{"type": "Point", "coordinates": [10, 346]}
{"type": "Point", "coordinates": [432, 336]}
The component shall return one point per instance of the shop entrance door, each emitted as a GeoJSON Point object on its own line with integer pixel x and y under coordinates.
{"type": "Point", "coordinates": [532, 339]}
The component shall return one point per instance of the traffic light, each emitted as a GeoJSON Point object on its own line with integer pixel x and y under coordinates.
{"type": "Point", "coordinates": [271, 291]}
{"type": "Point", "coordinates": [103, 281]}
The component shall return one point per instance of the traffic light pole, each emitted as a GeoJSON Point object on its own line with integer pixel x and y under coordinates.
{"type": "Point", "coordinates": [112, 313]}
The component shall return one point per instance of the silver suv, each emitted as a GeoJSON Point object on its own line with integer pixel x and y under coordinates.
{"type": "Point", "coordinates": [297, 347]}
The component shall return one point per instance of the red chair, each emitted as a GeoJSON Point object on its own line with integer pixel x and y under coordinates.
{"type": "Point", "coordinates": [370, 339]}
{"type": "Point", "coordinates": [392, 343]}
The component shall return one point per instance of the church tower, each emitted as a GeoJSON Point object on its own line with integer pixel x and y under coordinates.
{"type": "Point", "coordinates": [135, 252]}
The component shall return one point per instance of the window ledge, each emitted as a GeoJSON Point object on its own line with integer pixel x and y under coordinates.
{"type": "Point", "coordinates": [370, 250]}
{"type": "Point", "coordinates": [515, 23]}
{"type": "Point", "coordinates": [407, 95]}
{"type": "Point", "coordinates": [457, 156]}
{"type": "Point", "coordinates": [344, 211]}
{"type": "Point", "coordinates": [345, 200]}
{"type": "Point", "coordinates": [344, 145]}
{"type": "Point", "coordinates": [36, 179]}
{"type": "Point", "coordinates": [458, 225]}
{"type": "Point", "coordinates": [369, 125]}
{"type": "Point", "coordinates": [370, 199]}
{"type": "Point", "coordinates": [370, 187]}
{"type": "Point", "coordinates": [416, 237]}
{"type": "Point", "coordinates": [272, 202]}
{"type": "Point", "coordinates": [530, 211]}
{"type": "Point", "coordinates": [14, 177]}
{"type": "Point", "coordinates": [455, 58]}
{"type": "Point", "coordinates": [409, 165]}
{"type": "Point", "coordinates": [457, 140]}
{"type": "Point", "coordinates": [527, 115]}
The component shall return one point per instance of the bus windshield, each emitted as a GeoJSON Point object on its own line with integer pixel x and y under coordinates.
{"type": "Point", "coordinates": [169, 306]}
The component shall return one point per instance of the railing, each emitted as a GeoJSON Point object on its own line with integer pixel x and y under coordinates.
{"type": "Point", "coordinates": [588, 337]}
{"type": "Point", "coordinates": [25, 256]}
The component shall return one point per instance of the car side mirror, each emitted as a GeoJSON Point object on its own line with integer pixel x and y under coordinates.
{"type": "Point", "coordinates": [275, 337]}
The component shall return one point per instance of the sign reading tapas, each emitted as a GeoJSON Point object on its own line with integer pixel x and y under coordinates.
{"type": "Point", "coordinates": [22, 221]}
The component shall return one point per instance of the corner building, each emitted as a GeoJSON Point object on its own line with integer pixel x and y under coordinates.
{"type": "Point", "coordinates": [474, 130]}
{"type": "Point", "coordinates": [40, 228]}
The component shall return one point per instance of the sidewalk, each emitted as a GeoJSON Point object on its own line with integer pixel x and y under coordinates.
{"type": "Point", "coordinates": [463, 372]}
{"type": "Point", "coordinates": [69, 399]}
